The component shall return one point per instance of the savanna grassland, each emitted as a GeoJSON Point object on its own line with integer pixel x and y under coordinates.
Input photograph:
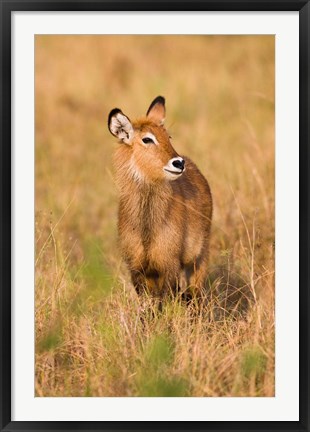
{"type": "Point", "coordinates": [94, 336]}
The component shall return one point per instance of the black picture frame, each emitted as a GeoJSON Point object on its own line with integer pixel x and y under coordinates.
{"type": "Point", "coordinates": [6, 8]}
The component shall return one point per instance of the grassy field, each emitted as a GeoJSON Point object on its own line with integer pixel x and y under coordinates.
{"type": "Point", "coordinates": [94, 337]}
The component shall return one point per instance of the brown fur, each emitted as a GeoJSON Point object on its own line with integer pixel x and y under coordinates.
{"type": "Point", "coordinates": [164, 225]}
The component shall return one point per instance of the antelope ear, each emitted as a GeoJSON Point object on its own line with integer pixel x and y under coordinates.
{"type": "Point", "coordinates": [157, 110]}
{"type": "Point", "coordinates": [120, 126]}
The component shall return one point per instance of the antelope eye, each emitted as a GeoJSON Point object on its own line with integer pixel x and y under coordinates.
{"type": "Point", "coordinates": [147, 140]}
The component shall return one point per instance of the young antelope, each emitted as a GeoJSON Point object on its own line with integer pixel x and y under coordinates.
{"type": "Point", "coordinates": [165, 207]}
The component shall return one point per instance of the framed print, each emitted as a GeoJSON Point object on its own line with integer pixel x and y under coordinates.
{"type": "Point", "coordinates": [154, 215]}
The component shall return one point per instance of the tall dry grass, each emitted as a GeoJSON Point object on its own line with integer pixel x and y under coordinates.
{"type": "Point", "coordinates": [94, 337]}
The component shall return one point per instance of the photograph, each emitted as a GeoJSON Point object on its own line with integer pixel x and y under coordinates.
{"type": "Point", "coordinates": [154, 215]}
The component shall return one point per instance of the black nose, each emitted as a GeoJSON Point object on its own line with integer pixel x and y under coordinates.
{"type": "Point", "coordinates": [179, 163]}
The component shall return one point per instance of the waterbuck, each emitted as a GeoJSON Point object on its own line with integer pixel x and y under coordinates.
{"type": "Point", "coordinates": [165, 207]}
